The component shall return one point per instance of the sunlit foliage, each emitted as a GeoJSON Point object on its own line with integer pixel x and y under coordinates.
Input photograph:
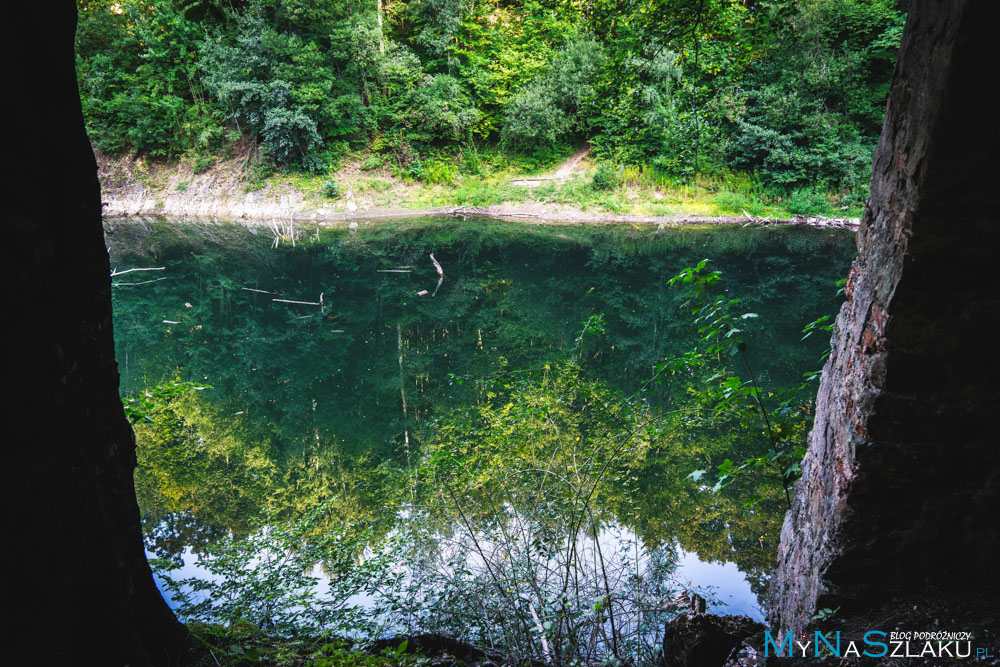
{"type": "Point", "coordinates": [792, 90]}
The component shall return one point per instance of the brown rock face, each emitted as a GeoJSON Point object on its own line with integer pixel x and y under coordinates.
{"type": "Point", "coordinates": [900, 487]}
{"type": "Point", "coordinates": [705, 640]}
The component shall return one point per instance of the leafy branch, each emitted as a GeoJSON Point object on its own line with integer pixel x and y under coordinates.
{"type": "Point", "coordinates": [720, 333]}
{"type": "Point", "coordinates": [138, 408]}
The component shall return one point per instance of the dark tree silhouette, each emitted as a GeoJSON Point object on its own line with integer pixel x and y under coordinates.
{"type": "Point", "coordinates": [79, 590]}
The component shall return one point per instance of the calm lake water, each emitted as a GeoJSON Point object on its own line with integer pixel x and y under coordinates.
{"type": "Point", "coordinates": [340, 367]}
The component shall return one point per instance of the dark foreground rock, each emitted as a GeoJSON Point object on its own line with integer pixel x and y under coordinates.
{"type": "Point", "coordinates": [704, 640]}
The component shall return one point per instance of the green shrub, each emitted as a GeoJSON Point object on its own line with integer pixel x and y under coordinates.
{"type": "Point", "coordinates": [261, 169]}
{"type": "Point", "coordinates": [330, 188]}
{"type": "Point", "coordinates": [254, 184]}
{"type": "Point", "coordinates": [606, 177]}
{"type": "Point", "coordinates": [202, 163]}
{"type": "Point", "coordinates": [439, 110]}
{"type": "Point", "coordinates": [807, 201]}
{"type": "Point", "coordinates": [732, 202]}
{"type": "Point", "coordinates": [547, 111]}
{"type": "Point", "coordinates": [646, 175]}
{"type": "Point", "coordinates": [655, 120]}
{"type": "Point", "coordinates": [371, 162]}
{"type": "Point", "coordinates": [437, 172]}
{"type": "Point", "coordinates": [377, 184]}
{"type": "Point", "coordinates": [812, 109]}
{"type": "Point", "coordinates": [471, 162]}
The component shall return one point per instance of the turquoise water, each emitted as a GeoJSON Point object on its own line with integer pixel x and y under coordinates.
{"type": "Point", "coordinates": [331, 374]}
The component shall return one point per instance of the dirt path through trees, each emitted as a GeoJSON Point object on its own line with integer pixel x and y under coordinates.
{"type": "Point", "coordinates": [565, 170]}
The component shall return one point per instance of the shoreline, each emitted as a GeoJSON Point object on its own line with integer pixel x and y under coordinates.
{"type": "Point", "coordinates": [510, 213]}
{"type": "Point", "coordinates": [132, 186]}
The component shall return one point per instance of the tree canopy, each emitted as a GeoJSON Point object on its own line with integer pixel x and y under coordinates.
{"type": "Point", "coordinates": [792, 90]}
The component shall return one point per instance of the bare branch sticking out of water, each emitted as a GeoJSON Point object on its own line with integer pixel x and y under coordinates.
{"type": "Point", "coordinates": [301, 303]}
{"type": "Point", "coordinates": [144, 282]}
{"type": "Point", "coordinates": [116, 272]}
{"type": "Point", "coordinates": [440, 272]}
{"type": "Point", "coordinates": [437, 266]}
{"type": "Point", "coordinates": [282, 232]}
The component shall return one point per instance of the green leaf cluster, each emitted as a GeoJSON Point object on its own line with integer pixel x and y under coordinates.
{"type": "Point", "coordinates": [792, 91]}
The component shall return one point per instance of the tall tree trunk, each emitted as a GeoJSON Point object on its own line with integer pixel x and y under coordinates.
{"type": "Point", "coordinates": [901, 485]}
{"type": "Point", "coordinates": [79, 589]}
{"type": "Point", "coordinates": [381, 33]}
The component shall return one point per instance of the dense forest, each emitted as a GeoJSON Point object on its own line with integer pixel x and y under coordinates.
{"type": "Point", "coordinates": [789, 93]}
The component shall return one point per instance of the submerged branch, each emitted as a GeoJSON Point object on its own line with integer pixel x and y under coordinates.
{"type": "Point", "coordinates": [144, 282]}
{"type": "Point", "coordinates": [116, 272]}
{"type": "Point", "coordinates": [301, 303]}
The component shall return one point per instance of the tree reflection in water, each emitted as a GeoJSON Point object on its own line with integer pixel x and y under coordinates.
{"type": "Point", "coordinates": [509, 419]}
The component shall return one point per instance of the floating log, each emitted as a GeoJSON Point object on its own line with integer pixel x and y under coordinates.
{"type": "Point", "coordinates": [437, 266]}
{"type": "Point", "coordinates": [144, 282]}
{"type": "Point", "coordinates": [301, 303]}
{"type": "Point", "coordinates": [116, 272]}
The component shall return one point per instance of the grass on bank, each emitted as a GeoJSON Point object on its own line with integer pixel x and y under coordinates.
{"type": "Point", "coordinates": [490, 177]}
{"type": "Point", "coordinates": [638, 192]}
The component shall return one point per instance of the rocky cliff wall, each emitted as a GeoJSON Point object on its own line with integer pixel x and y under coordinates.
{"type": "Point", "coordinates": [899, 494]}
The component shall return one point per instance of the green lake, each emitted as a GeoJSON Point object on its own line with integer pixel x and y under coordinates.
{"type": "Point", "coordinates": [332, 377]}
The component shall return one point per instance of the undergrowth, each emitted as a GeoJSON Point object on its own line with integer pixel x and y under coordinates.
{"type": "Point", "coordinates": [488, 177]}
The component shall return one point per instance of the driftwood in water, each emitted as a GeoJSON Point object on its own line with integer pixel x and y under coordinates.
{"type": "Point", "coordinates": [301, 303]}
{"type": "Point", "coordinates": [116, 272]}
{"type": "Point", "coordinates": [144, 282]}
{"type": "Point", "coordinates": [816, 221]}
{"type": "Point", "coordinates": [462, 211]}
{"type": "Point", "coordinates": [437, 266]}
{"type": "Point", "coordinates": [440, 272]}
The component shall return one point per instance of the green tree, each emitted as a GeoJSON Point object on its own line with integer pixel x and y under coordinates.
{"type": "Point", "coordinates": [811, 109]}
{"type": "Point", "coordinates": [139, 76]}
{"type": "Point", "coordinates": [548, 110]}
